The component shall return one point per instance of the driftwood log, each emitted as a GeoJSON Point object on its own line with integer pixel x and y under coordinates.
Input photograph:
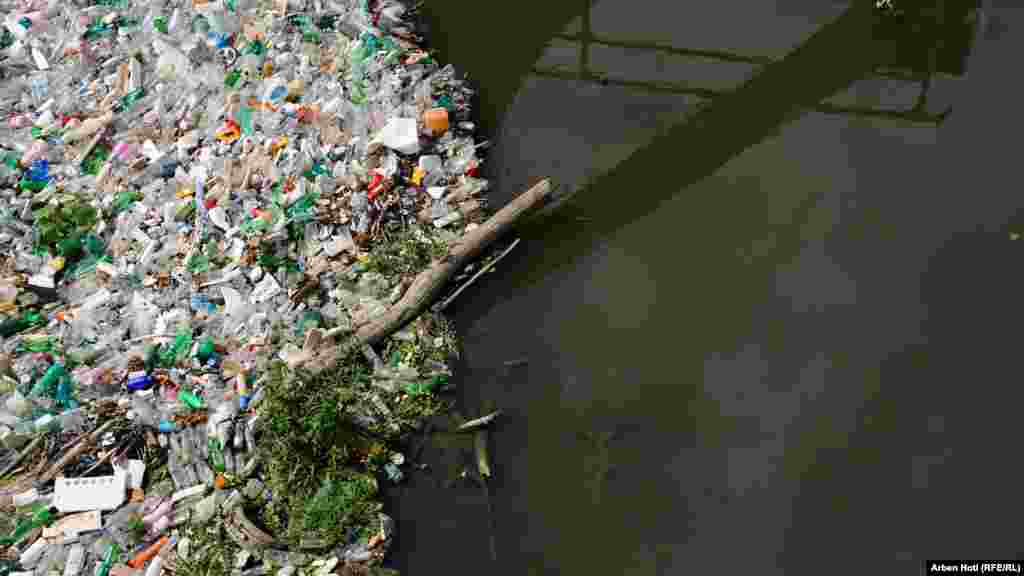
{"type": "Point", "coordinates": [430, 283]}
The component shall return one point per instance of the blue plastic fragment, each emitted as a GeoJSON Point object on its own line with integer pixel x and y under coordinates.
{"type": "Point", "coordinates": [39, 170]}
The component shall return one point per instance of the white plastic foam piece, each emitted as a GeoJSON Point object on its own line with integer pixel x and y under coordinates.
{"type": "Point", "coordinates": [84, 494]}
{"type": "Point", "coordinates": [400, 134]}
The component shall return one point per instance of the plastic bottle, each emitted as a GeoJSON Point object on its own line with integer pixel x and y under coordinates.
{"type": "Point", "coordinates": [205, 509]}
{"type": "Point", "coordinates": [41, 516]}
{"type": "Point", "coordinates": [49, 380]}
{"type": "Point", "coordinates": [87, 128]}
{"type": "Point", "coordinates": [206, 349]}
{"type": "Point", "coordinates": [65, 395]}
{"type": "Point", "coordinates": [111, 557]}
{"type": "Point", "coordinates": [242, 383]}
{"type": "Point", "coordinates": [216, 455]}
{"type": "Point", "coordinates": [177, 472]}
{"type": "Point", "coordinates": [230, 463]}
{"type": "Point", "coordinates": [144, 412]}
{"type": "Point", "coordinates": [155, 567]}
{"type": "Point", "coordinates": [16, 324]}
{"type": "Point", "coordinates": [189, 399]}
{"type": "Point", "coordinates": [71, 420]}
{"type": "Point", "coordinates": [148, 554]}
{"type": "Point", "coordinates": [75, 560]}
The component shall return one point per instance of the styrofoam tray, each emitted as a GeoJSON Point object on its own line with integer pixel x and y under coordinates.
{"type": "Point", "coordinates": [83, 494]}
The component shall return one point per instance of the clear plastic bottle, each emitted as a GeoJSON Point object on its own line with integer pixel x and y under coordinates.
{"type": "Point", "coordinates": [144, 411]}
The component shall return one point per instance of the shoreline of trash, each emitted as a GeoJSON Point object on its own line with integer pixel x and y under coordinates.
{"type": "Point", "coordinates": [199, 198]}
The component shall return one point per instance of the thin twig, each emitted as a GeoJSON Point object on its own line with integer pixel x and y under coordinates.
{"type": "Point", "coordinates": [147, 337]}
{"type": "Point", "coordinates": [479, 422]}
{"type": "Point", "coordinates": [21, 456]}
{"type": "Point", "coordinates": [479, 273]}
{"type": "Point", "coordinates": [120, 451]}
{"type": "Point", "coordinates": [75, 452]}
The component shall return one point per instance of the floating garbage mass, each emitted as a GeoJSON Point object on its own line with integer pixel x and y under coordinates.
{"type": "Point", "coordinates": [195, 198]}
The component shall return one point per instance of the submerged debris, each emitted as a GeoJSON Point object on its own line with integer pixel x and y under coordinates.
{"type": "Point", "coordinates": [479, 422]}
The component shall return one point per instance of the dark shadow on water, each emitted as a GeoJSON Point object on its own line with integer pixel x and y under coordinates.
{"type": "Point", "coordinates": [437, 522]}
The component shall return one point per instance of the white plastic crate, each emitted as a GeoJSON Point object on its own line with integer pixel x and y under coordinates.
{"type": "Point", "coordinates": [83, 494]}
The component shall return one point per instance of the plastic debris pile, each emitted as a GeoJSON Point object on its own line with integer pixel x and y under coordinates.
{"type": "Point", "coordinates": [190, 194]}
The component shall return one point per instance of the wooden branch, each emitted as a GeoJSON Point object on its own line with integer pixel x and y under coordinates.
{"type": "Point", "coordinates": [479, 422]}
{"type": "Point", "coordinates": [75, 452]}
{"type": "Point", "coordinates": [430, 283]}
{"type": "Point", "coordinates": [22, 455]}
{"type": "Point", "coordinates": [476, 276]}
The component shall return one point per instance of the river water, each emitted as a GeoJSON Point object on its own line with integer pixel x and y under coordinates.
{"type": "Point", "coordinates": [776, 330]}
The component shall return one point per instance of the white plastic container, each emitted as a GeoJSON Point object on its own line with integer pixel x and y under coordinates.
{"type": "Point", "coordinates": [401, 134]}
{"type": "Point", "coordinates": [84, 494]}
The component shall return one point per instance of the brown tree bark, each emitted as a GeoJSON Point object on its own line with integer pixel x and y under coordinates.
{"type": "Point", "coordinates": [430, 283]}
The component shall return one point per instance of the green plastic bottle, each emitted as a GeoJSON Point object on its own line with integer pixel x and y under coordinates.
{"type": "Point", "coordinates": [71, 246]}
{"type": "Point", "coordinates": [177, 351]}
{"type": "Point", "coordinates": [152, 357]}
{"type": "Point", "coordinates": [216, 455]}
{"type": "Point", "coordinates": [310, 319]}
{"type": "Point", "coordinates": [98, 29]}
{"type": "Point", "coordinates": [327, 22]}
{"type": "Point", "coordinates": [65, 396]}
{"type": "Point", "coordinates": [47, 385]}
{"type": "Point", "coordinates": [16, 324]}
{"type": "Point", "coordinates": [255, 47]}
{"type": "Point", "coordinates": [124, 200]}
{"type": "Point", "coordinates": [33, 185]}
{"type": "Point", "coordinates": [94, 161]}
{"type": "Point", "coordinates": [6, 39]}
{"type": "Point", "coordinates": [44, 344]}
{"type": "Point", "coordinates": [232, 78]}
{"type": "Point", "coordinates": [109, 559]}
{"type": "Point", "coordinates": [126, 101]}
{"type": "Point", "coordinates": [206, 349]}
{"type": "Point", "coordinates": [41, 516]}
{"type": "Point", "coordinates": [198, 263]}
{"type": "Point", "coordinates": [94, 245]}
{"type": "Point", "coordinates": [311, 36]}
{"type": "Point", "coordinates": [189, 399]}
{"type": "Point", "coordinates": [299, 20]}
{"type": "Point", "coordinates": [245, 119]}
{"type": "Point", "coordinates": [303, 205]}
{"type": "Point", "coordinates": [125, 22]}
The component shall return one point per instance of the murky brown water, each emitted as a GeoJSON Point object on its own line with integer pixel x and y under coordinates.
{"type": "Point", "coordinates": [777, 324]}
